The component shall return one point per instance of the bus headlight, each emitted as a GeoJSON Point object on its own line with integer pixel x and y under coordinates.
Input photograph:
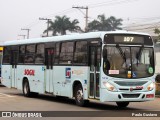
{"type": "Point", "coordinates": [109, 86]}
{"type": "Point", "coordinates": [151, 86]}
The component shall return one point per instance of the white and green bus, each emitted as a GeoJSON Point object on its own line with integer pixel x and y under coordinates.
{"type": "Point", "coordinates": [103, 66]}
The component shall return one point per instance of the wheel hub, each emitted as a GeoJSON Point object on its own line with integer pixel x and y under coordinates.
{"type": "Point", "coordinates": [79, 95]}
{"type": "Point", "coordinates": [25, 89]}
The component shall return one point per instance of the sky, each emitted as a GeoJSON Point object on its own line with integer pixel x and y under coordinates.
{"type": "Point", "coordinates": [18, 14]}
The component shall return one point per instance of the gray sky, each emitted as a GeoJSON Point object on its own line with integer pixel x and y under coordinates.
{"type": "Point", "coordinates": [17, 14]}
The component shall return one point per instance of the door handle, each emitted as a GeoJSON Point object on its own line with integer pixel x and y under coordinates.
{"type": "Point", "coordinates": [58, 82]}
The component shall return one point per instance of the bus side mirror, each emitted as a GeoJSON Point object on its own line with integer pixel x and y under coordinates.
{"type": "Point", "coordinates": [104, 53]}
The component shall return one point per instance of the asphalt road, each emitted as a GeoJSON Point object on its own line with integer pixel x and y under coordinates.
{"type": "Point", "coordinates": [13, 100]}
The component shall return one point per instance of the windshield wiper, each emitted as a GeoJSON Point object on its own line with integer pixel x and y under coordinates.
{"type": "Point", "coordinates": [139, 53]}
{"type": "Point", "coordinates": [121, 52]}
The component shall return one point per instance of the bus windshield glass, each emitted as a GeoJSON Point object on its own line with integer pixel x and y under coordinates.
{"type": "Point", "coordinates": [128, 62]}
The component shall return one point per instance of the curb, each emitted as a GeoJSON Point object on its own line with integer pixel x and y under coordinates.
{"type": "Point", "coordinates": [157, 96]}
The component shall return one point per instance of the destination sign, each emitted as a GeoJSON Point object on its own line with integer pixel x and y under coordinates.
{"type": "Point", "coordinates": [128, 39]}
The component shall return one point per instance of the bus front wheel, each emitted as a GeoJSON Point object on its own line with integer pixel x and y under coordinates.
{"type": "Point", "coordinates": [26, 89]}
{"type": "Point", "coordinates": [79, 96]}
{"type": "Point", "coordinates": [122, 104]}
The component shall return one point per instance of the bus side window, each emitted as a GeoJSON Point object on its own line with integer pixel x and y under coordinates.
{"type": "Point", "coordinates": [66, 54]}
{"type": "Point", "coordinates": [57, 51]}
{"type": "Point", "coordinates": [21, 54]}
{"type": "Point", "coordinates": [6, 55]}
{"type": "Point", "coordinates": [80, 54]}
{"type": "Point", "coordinates": [39, 56]}
{"type": "Point", "coordinates": [30, 54]}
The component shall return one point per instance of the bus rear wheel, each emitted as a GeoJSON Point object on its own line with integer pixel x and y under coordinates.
{"type": "Point", "coordinates": [26, 89]}
{"type": "Point", "coordinates": [79, 96]}
{"type": "Point", "coordinates": [122, 104]}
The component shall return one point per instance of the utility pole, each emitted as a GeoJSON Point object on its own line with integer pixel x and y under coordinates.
{"type": "Point", "coordinates": [22, 36]}
{"type": "Point", "coordinates": [47, 23]}
{"type": "Point", "coordinates": [27, 32]}
{"type": "Point", "coordinates": [86, 16]}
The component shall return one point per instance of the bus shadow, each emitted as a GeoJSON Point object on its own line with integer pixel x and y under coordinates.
{"type": "Point", "coordinates": [92, 105]}
{"type": "Point", "coordinates": [107, 106]}
{"type": "Point", "coordinates": [2, 85]}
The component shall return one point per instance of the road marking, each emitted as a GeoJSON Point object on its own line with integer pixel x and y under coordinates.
{"type": "Point", "coordinates": [5, 95]}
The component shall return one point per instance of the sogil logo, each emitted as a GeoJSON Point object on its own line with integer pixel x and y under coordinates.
{"type": "Point", "coordinates": [30, 72]}
{"type": "Point", "coordinates": [68, 73]}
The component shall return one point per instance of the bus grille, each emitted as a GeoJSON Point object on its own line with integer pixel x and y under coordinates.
{"type": "Point", "coordinates": [123, 83]}
{"type": "Point", "coordinates": [130, 95]}
{"type": "Point", "coordinates": [127, 89]}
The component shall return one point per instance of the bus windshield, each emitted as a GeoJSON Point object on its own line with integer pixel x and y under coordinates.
{"type": "Point", "coordinates": [128, 62]}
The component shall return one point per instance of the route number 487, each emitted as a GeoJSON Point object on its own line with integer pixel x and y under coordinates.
{"type": "Point", "coordinates": [128, 39]}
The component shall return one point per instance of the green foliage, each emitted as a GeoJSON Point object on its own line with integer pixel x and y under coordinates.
{"type": "Point", "coordinates": [103, 24]}
{"type": "Point", "coordinates": [157, 31]}
{"type": "Point", "coordinates": [62, 24]}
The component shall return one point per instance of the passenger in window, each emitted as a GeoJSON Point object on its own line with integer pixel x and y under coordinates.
{"type": "Point", "coordinates": [28, 59]}
{"type": "Point", "coordinates": [39, 58]}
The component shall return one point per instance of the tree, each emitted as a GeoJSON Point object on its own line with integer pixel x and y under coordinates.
{"type": "Point", "coordinates": [62, 24]}
{"type": "Point", "coordinates": [114, 23]}
{"type": "Point", "coordinates": [157, 31]}
{"type": "Point", "coordinates": [103, 24]}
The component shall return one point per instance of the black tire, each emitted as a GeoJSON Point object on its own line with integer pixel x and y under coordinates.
{"type": "Point", "coordinates": [26, 89]}
{"type": "Point", "coordinates": [79, 96]}
{"type": "Point", "coordinates": [34, 94]}
{"type": "Point", "coordinates": [122, 104]}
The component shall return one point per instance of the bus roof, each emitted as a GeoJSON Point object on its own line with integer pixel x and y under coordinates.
{"type": "Point", "coordinates": [68, 37]}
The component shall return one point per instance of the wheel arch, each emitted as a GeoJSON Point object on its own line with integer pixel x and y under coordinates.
{"type": "Point", "coordinates": [75, 83]}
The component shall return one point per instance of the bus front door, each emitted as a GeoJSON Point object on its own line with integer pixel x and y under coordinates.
{"type": "Point", "coordinates": [49, 70]}
{"type": "Point", "coordinates": [14, 60]}
{"type": "Point", "coordinates": [94, 62]}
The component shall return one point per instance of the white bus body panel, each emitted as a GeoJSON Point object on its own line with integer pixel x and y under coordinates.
{"type": "Point", "coordinates": [6, 73]}
{"type": "Point", "coordinates": [49, 85]}
{"type": "Point", "coordinates": [63, 84]}
{"type": "Point", "coordinates": [59, 83]}
{"type": "Point", "coordinates": [36, 81]}
{"type": "Point", "coordinates": [14, 77]}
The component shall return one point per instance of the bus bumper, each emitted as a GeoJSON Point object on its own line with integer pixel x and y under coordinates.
{"type": "Point", "coordinates": [126, 96]}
